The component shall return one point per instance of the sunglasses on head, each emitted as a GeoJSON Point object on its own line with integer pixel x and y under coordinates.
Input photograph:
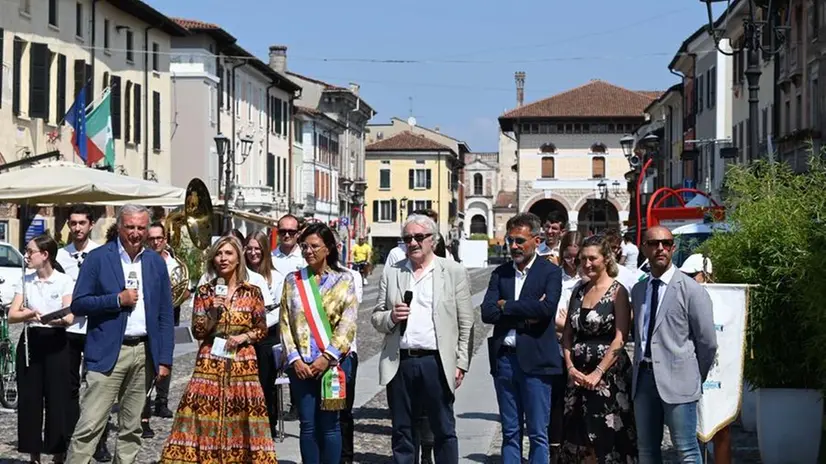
{"type": "Point", "coordinates": [419, 238]}
{"type": "Point", "coordinates": [666, 243]}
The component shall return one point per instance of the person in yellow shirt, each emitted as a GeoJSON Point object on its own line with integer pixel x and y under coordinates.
{"type": "Point", "coordinates": [361, 258]}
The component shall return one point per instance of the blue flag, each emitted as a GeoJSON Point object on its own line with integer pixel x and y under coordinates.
{"type": "Point", "coordinates": [76, 117]}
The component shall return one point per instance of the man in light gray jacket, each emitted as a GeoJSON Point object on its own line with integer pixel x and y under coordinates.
{"type": "Point", "coordinates": [427, 340]}
{"type": "Point", "coordinates": [676, 346]}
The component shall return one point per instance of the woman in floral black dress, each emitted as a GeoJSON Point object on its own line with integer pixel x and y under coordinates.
{"type": "Point", "coordinates": [599, 421]}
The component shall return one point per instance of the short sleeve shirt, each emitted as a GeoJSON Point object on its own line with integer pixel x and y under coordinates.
{"type": "Point", "coordinates": [45, 295]}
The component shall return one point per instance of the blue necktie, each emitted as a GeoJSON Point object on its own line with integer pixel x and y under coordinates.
{"type": "Point", "coordinates": [655, 299]}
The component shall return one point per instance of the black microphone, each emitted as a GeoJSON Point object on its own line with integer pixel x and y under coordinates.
{"type": "Point", "coordinates": [407, 299]}
{"type": "Point", "coordinates": [220, 290]}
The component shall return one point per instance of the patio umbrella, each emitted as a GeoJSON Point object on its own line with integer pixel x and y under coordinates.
{"type": "Point", "coordinates": [67, 183]}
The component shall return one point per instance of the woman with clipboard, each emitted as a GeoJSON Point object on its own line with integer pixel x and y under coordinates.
{"type": "Point", "coordinates": [43, 352]}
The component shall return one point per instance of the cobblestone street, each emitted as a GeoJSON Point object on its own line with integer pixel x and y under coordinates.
{"type": "Point", "coordinates": [477, 418]}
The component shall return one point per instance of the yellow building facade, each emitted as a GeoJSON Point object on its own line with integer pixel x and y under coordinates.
{"type": "Point", "coordinates": [404, 173]}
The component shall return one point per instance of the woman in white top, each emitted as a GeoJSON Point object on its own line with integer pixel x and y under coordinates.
{"type": "Point", "coordinates": [259, 259]}
{"type": "Point", "coordinates": [43, 378]}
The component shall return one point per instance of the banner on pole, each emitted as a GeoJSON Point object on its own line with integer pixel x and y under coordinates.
{"type": "Point", "coordinates": [722, 390]}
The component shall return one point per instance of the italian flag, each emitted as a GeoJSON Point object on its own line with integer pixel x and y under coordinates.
{"type": "Point", "coordinates": [100, 143]}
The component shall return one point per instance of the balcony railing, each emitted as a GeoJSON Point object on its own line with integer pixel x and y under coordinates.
{"type": "Point", "coordinates": [256, 195]}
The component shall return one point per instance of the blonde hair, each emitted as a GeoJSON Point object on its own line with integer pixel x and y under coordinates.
{"type": "Point", "coordinates": [241, 271]}
{"type": "Point", "coordinates": [603, 244]}
{"type": "Point", "coordinates": [265, 268]}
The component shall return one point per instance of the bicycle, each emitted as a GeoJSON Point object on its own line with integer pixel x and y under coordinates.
{"type": "Point", "coordinates": [8, 372]}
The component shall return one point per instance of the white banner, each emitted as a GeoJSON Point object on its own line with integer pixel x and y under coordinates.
{"type": "Point", "coordinates": [722, 390]}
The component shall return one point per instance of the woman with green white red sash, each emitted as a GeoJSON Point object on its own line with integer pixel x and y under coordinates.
{"type": "Point", "coordinates": [318, 323]}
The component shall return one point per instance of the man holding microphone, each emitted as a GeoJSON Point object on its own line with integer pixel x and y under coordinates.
{"type": "Point", "coordinates": [123, 290]}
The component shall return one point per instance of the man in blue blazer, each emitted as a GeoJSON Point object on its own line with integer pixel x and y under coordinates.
{"type": "Point", "coordinates": [125, 294]}
{"type": "Point", "coordinates": [521, 303]}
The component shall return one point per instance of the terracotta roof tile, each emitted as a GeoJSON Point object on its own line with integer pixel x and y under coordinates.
{"type": "Point", "coordinates": [406, 141]}
{"type": "Point", "coordinates": [195, 24]}
{"type": "Point", "coordinates": [505, 200]}
{"type": "Point", "coordinates": [595, 99]}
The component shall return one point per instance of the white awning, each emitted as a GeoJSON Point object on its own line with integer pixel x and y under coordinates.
{"type": "Point", "coordinates": [66, 183]}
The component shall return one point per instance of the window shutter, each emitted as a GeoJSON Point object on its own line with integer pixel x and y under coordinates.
{"type": "Point", "coordinates": [127, 112]}
{"type": "Point", "coordinates": [393, 211]}
{"type": "Point", "coordinates": [61, 87]}
{"type": "Point", "coordinates": [429, 204]}
{"type": "Point", "coordinates": [88, 83]}
{"type": "Point", "coordinates": [411, 176]}
{"type": "Point", "coordinates": [156, 121]}
{"type": "Point", "coordinates": [19, 44]}
{"type": "Point", "coordinates": [39, 81]}
{"type": "Point", "coordinates": [284, 174]}
{"type": "Point", "coordinates": [598, 167]}
{"type": "Point", "coordinates": [410, 207]}
{"type": "Point", "coordinates": [221, 87]}
{"type": "Point", "coordinates": [116, 113]}
{"type": "Point", "coordinates": [137, 105]}
{"type": "Point", "coordinates": [548, 167]}
{"type": "Point", "coordinates": [375, 210]}
{"type": "Point", "coordinates": [2, 32]}
{"type": "Point", "coordinates": [428, 179]}
{"type": "Point", "coordinates": [271, 172]}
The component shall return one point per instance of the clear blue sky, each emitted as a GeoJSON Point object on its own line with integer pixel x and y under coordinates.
{"type": "Point", "coordinates": [559, 44]}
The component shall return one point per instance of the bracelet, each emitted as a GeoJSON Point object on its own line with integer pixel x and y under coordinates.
{"type": "Point", "coordinates": [600, 370]}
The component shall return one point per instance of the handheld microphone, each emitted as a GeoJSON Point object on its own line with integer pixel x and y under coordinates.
{"type": "Point", "coordinates": [407, 299]}
{"type": "Point", "coordinates": [222, 290]}
{"type": "Point", "coordinates": [132, 281]}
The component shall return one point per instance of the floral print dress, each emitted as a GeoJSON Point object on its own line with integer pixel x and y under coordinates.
{"type": "Point", "coordinates": [599, 424]}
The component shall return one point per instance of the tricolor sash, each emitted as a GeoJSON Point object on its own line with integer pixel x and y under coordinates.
{"type": "Point", "coordinates": [333, 381]}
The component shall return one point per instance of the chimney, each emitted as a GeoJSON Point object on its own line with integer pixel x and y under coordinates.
{"type": "Point", "coordinates": [278, 58]}
{"type": "Point", "coordinates": [520, 88]}
{"type": "Point", "coordinates": [354, 88]}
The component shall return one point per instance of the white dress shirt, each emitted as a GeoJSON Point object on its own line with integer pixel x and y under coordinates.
{"type": "Point", "coordinates": [544, 250]}
{"type": "Point", "coordinates": [396, 254]}
{"type": "Point", "coordinates": [631, 253]}
{"type": "Point", "coordinates": [664, 279]}
{"type": "Point", "coordinates": [70, 258]}
{"type": "Point", "coordinates": [421, 330]}
{"type": "Point", "coordinates": [629, 277]}
{"type": "Point", "coordinates": [136, 319]}
{"type": "Point", "coordinates": [45, 296]}
{"type": "Point", "coordinates": [357, 281]}
{"type": "Point", "coordinates": [276, 288]}
{"type": "Point", "coordinates": [288, 263]}
{"type": "Point", "coordinates": [519, 282]}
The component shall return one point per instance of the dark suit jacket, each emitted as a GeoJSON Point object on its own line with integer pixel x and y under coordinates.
{"type": "Point", "coordinates": [536, 345]}
{"type": "Point", "coordinates": [96, 297]}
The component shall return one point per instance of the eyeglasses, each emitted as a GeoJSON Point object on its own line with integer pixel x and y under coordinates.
{"type": "Point", "coordinates": [287, 231]}
{"type": "Point", "coordinates": [666, 243]}
{"type": "Point", "coordinates": [252, 250]}
{"type": "Point", "coordinates": [155, 239]}
{"type": "Point", "coordinates": [517, 240]}
{"type": "Point", "coordinates": [419, 238]}
{"type": "Point", "coordinates": [30, 251]}
{"type": "Point", "coordinates": [305, 247]}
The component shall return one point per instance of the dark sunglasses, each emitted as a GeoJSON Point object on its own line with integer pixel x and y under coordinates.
{"type": "Point", "coordinates": [517, 240]}
{"type": "Point", "coordinates": [287, 231]}
{"type": "Point", "coordinates": [419, 238]}
{"type": "Point", "coordinates": [666, 243]}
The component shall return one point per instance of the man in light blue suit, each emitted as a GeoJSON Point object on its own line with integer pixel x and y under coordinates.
{"type": "Point", "coordinates": [123, 290]}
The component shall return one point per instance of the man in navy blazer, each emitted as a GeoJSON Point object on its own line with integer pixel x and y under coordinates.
{"type": "Point", "coordinates": [125, 294]}
{"type": "Point", "coordinates": [521, 302]}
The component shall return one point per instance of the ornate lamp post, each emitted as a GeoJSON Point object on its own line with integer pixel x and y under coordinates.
{"type": "Point", "coordinates": [753, 31]}
{"type": "Point", "coordinates": [222, 146]}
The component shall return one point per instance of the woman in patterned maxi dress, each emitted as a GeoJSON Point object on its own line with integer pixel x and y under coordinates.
{"type": "Point", "coordinates": [222, 416]}
{"type": "Point", "coordinates": [599, 420]}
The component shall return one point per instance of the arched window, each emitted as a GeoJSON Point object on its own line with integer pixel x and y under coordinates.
{"type": "Point", "coordinates": [548, 167]}
{"type": "Point", "coordinates": [478, 184]}
{"type": "Point", "coordinates": [598, 167]}
{"type": "Point", "coordinates": [599, 147]}
{"type": "Point", "coordinates": [548, 147]}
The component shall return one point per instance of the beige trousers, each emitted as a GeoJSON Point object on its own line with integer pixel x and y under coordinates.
{"type": "Point", "coordinates": [127, 383]}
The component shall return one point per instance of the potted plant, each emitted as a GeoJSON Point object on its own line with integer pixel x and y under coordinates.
{"type": "Point", "coordinates": [777, 244]}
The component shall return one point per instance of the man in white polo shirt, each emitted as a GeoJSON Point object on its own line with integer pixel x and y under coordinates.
{"type": "Point", "coordinates": [71, 257]}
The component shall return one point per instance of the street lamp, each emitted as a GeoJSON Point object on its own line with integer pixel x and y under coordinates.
{"type": "Point", "coordinates": [753, 31]}
{"type": "Point", "coordinates": [603, 189]}
{"type": "Point", "coordinates": [240, 201]}
{"type": "Point", "coordinates": [403, 204]}
{"type": "Point", "coordinates": [617, 189]}
{"type": "Point", "coordinates": [222, 146]}
{"type": "Point", "coordinates": [627, 144]}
